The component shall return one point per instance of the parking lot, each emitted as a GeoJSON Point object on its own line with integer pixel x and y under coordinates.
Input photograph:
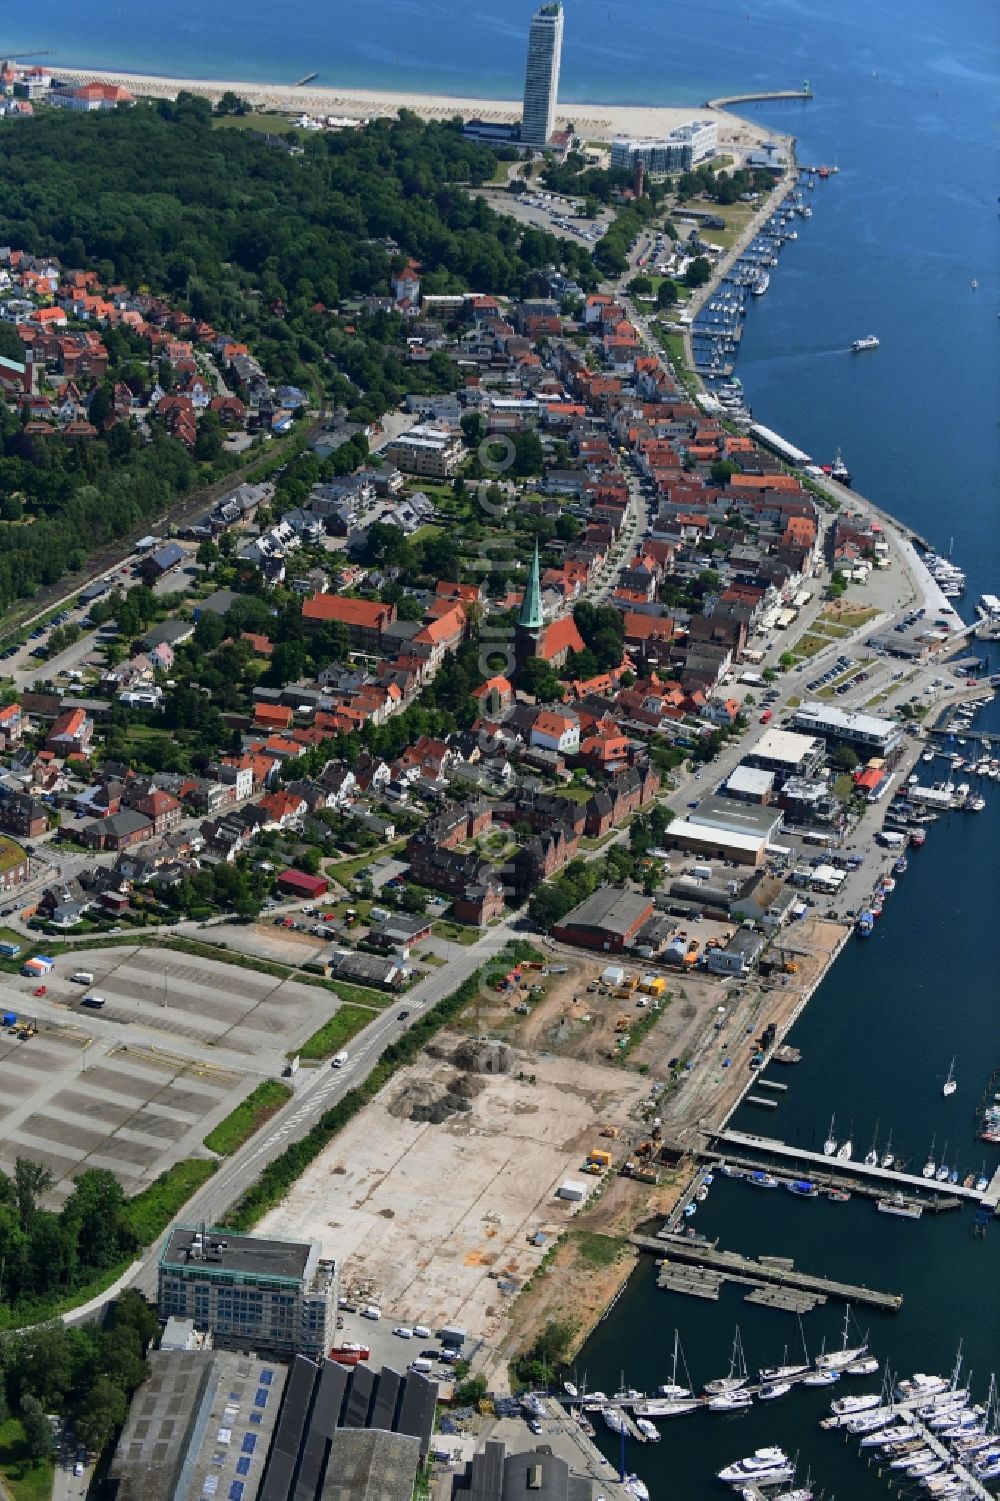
{"type": "Point", "coordinates": [550, 212]}
{"type": "Point", "coordinates": [72, 1102]}
{"type": "Point", "coordinates": [240, 1011]}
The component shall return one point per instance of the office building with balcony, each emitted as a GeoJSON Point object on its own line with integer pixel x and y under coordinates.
{"type": "Point", "coordinates": [250, 1293]}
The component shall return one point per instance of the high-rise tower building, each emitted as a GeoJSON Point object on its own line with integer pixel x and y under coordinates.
{"type": "Point", "coordinates": [541, 78]}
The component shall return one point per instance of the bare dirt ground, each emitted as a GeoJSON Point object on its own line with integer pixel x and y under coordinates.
{"type": "Point", "coordinates": [436, 1222]}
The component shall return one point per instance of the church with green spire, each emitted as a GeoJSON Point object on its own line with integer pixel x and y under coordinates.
{"type": "Point", "coordinates": [533, 638]}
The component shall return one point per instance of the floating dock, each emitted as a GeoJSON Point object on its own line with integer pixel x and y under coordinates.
{"type": "Point", "coordinates": [735, 1267]}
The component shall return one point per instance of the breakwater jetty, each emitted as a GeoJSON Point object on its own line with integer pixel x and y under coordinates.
{"type": "Point", "coordinates": [729, 101]}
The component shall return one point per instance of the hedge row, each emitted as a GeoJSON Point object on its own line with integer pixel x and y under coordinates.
{"type": "Point", "coordinates": [279, 1175]}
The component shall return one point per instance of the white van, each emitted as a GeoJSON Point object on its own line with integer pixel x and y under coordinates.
{"type": "Point", "coordinates": [421, 1366]}
{"type": "Point", "coordinates": [82, 977]}
{"type": "Point", "coordinates": [339, 1059]}
{"type": "Point", "coordinates": [402, 1332]}
{"type": "Point", "coordinates": [420, 1331]}
{"type": "Point", "coordinates": [371, 1312]}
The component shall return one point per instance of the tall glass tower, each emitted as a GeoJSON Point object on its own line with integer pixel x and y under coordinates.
{"type": "Point", "coordinates": [541, 77]}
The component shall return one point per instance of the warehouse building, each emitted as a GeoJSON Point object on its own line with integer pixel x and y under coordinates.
{"type": "Point", "coordinates": [737, 818]}
{"type": "Point", "coordinates": [715, 843]}
{"type": "Point", "coordinates": [534, 1475]}
{"type": "Point", "coordinates": [610, 919]}
{"type": "Point", "coordinates": [250, 1293]}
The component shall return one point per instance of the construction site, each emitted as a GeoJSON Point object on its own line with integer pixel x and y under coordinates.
{"type": "Point", "coordinates": [510, 1163]}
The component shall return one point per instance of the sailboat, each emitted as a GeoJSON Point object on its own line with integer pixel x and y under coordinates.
{"type": "Point", "coordinates": [836, 1360]}
{"type": "Point", "coordinates": [830, 1145]}
{"type": "Point", "coordinates": [950, 1084]}
{"type": "Point", "coordinates": [846, 1149]}
{"type": "Point", "coordinates": [888, 1158]}
{"type": "Point", "coordinates": [674, 1400]}
{"type": "Point", "coordinates": [772, 1375]}
{"type": "Point", "coordinates": [871, 1156]}
{"type": "Point", "coordinates": [930, 1166]}
{"type": "Point", "coordinates": [942, 1173]}
{"type": "Point", "coordinates": [737, 1371]}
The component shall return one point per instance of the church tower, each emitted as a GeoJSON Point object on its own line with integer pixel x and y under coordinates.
{"type": "Point", "coordinates": [529, 619]}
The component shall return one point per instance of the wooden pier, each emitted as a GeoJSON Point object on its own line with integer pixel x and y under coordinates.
{"type": "Point", "coordinates": [771, 1271]}
{"type": "Point", "coordinates": [886, 1179]}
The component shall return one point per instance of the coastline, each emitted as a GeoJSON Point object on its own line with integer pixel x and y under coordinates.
{"type": "Point", "coordinates": [594, 120]}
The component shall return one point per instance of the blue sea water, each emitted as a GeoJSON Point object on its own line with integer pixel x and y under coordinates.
{"type": "Point", "coordinates": [907, 105]}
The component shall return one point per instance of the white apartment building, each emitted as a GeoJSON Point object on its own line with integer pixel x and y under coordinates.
{"type": "Point", "coordinates": [541, 78]}
{"type": "Point", "coordinates": [682, 149]}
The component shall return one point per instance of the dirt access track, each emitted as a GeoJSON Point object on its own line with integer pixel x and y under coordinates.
{"type": "Point", "coordinates": [434, 1223]}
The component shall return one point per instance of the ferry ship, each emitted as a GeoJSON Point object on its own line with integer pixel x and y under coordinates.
{"type": "Point", "coordinates": [870, 341]}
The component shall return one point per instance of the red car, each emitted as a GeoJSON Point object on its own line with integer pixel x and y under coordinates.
{"type": "Point", "coordinates": [40, 989]}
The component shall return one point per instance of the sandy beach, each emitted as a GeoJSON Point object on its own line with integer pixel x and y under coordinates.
{"type": "Point", "coordinates": [592, 121]}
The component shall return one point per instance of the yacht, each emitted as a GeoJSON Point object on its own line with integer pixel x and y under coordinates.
{"type": "Point", "coordinates": [767, 1466]}
{"type": "Point", "coordinates": [888, 1157]}
{"type": "Point", "coordinates": [761, 1179]}
{"type": "Point", "coordinates": [896, 1204]}
{"type": "Point", "coordinates": [570, 1389]}
{"type": "Point", "coordinates": [920, 1385]}
{"type": "Point", "coordinates": [614, 1419]}
{"type": "Point", "coordinates": [636, 1487]}
{"type": "Point", "coordinates": [845, 1150]}
{"type": "Point", "coordinates": [649, 1430]}
{"type": "Point", "coordinates": [845, 1406]}
{"type": "Point", "coordinates": [737, 1401]}
{"type": "Point", "coordinates": [665, 1407]}
{"type": "Point", "coordinates": [950, 1084]}
{"type": "Point", "coordinates": [821, 1377]}
{"type": "Point", "coordinates": [760, 284]}
{"type": "Point", "coordinates": [772, 1389]}
{"type": "Point", "coordinates": [869, 341]}
{"type": "Point", "coordinates": [866, 1366]}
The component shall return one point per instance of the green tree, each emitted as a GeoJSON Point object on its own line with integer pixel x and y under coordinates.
{"type": "Point", "coordinates": [37, 1431]}
{"type": "Point", "coordinates": [640, 286]}
{"type": "Point", "coordinates": [104, 1409]}
{"type": "Point", "coordinates": [667, 294]}
{"type": "Point", "coordinates": [698, 272]}
{"type": "Point", "coordinates": [31, 1181]}
{"type": "Point", "coordinates": [844, 759]}
{"type": "Point", "coordinates": [208, 440]}
{"type": "Point", "coordinates": [723, 470]}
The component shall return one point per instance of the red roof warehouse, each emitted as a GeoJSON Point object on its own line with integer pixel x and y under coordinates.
{"type": "Point", "coordinates": [300, 883]}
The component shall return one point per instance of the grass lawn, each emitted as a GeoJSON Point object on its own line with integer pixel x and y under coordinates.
{"type": "Point", "coordinates": [241, 1123]}
{"type": "Point", "coordinates": [423, 532]}
{"type": "Point", "coordinates": [810, 644]}
{"type": "Point", "coordinates": [599, 1250]}
{"type": "Point", "coordinates": [153, 1209]}
{"type": "Point", "coordinates": [344, 871]}
{"type": "Point", "coordinates": [11, 853]}
{"type": "Point", "coordinates": [575, 792]}
{"type": "Point", "coordinates": [276, 125]}
{"type": "Point", "coordinates": [27, 1479]}
{"type": "Point", "coordinates": [852, 619]}
{"type": "Point", "coordinates": [333, 1034]}
{"type": "Point", "coordinates": [737, 217]}
{"type": "Point", "coordinates": [455, 932]}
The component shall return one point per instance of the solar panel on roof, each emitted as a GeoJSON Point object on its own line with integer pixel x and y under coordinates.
{"type": "Point", "coordinates": [249, 1443]}
{"type": "Point", "coordinates": [236, 1490]}
{"type": "Point", "coordinates": [243, 1467]}
{"type": "Point", "coordinates": [266, 1377]}
{"type": "Point", "coordinates": [260, 1400]}
{"type": "Point", "coordinates": [256, 1417]}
